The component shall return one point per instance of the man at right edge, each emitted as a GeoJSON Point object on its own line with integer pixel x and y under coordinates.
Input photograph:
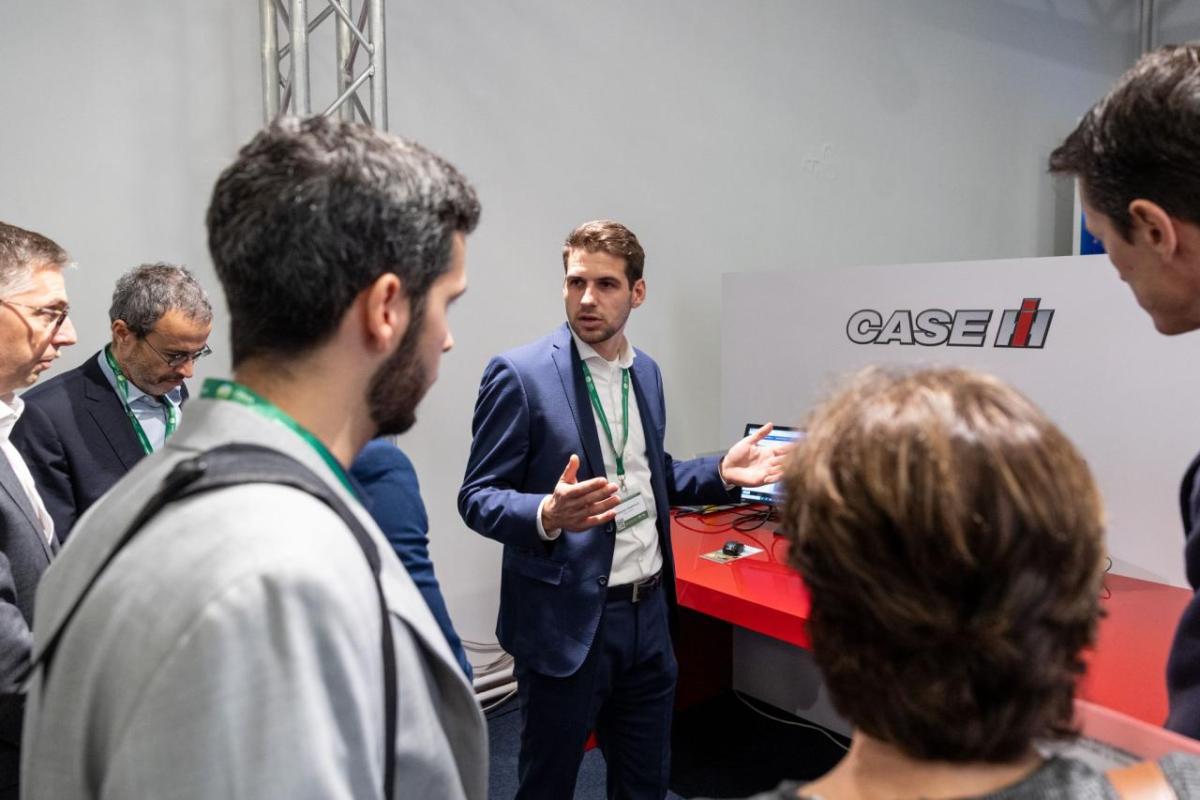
{"type": "Point", "coordinates": [568, 470]}
{"type": "Point", "coordinates": [1136, 154]}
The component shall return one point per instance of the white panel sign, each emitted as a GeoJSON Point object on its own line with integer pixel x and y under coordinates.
{"type": "Point", "coordinates": [1065, 331]}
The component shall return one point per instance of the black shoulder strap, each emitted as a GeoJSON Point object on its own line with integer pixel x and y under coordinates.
{"type": "Point", "coordinates": [234, 465]}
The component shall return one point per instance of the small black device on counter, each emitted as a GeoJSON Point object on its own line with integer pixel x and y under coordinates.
{"type": "Point", "coordinates": [733, 548]}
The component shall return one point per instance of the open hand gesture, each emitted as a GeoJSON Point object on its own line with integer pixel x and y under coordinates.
{"type": "Point", "coordinates": [578, 506]}
{"type": "Point", "coordinates": [749, 464]}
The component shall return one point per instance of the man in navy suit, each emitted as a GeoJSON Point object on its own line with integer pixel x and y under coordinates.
{"type": "Point", "coordinates": [567, 469]}
{"type": "Point", "coordinates": [1136, 154]}
{"type": "Point", "coordinates": [84, 429]}
{"type": "Point", "coordinates": [34, 328]}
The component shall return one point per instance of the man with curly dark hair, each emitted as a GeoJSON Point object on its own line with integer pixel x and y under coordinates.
{"type": "Point", "coordinates": [260, 640]}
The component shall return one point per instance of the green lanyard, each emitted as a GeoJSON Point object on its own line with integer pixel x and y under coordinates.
{"type": "Point", "coordinates": [217, 389]}
{"type": "Point", "coordinates": [123, 390]}
{"type": "Point", "coordinates": [591, 387]}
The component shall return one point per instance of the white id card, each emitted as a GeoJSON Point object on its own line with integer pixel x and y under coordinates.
{"type": "Point", "coordinates": [631, 511]}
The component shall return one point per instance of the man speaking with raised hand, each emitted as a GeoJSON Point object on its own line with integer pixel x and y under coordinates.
{"type": "Point", "coordinates": [568, 470]}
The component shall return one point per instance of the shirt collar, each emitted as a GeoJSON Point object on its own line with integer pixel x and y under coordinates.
{"type": "Point", "coordinates": [11, 407]}
{"type": "Point", "coordinates": [588, 353]}
{"type": "Point", "coordinates": [175, 396]}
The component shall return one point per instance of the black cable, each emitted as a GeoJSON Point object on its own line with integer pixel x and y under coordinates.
{"type": "Point", "coordinates": [753, 519]}
{"type": "Point", "coordinates": [744, 517]}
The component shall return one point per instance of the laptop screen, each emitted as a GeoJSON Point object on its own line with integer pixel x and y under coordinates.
{"type": "Point", "coordinates": [772, 493]}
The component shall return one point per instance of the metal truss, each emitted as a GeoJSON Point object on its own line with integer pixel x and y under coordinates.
{"type": "Point", "coordinates": [290, 94]}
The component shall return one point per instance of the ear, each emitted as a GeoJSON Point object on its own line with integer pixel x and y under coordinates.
{"type": "Point", "coordinates": [639, 292]}
{"type": "Point", "coordinates": [120, 330]}
{"type": "Point", "coordinates": [385, 312]}
{"type": "Point", "coordinates": [1153, 227]}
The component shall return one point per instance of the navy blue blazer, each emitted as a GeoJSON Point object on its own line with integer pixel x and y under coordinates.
{"type": "Point", "coordinates": [390, 491]}
{"type": "Point", "coordinates": [531, 415]}
{"type": "Point", "coordinates": [77, 441]}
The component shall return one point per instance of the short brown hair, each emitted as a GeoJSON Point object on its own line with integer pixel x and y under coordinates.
{"type": "Point", "coordinates": [607, 236]}
{"type": "Point", "coordinates": [22, 251]}
{"type": "Point", "coordinates": [1142, 140]}
{"type": "Point", "coordinates": [951, 538]}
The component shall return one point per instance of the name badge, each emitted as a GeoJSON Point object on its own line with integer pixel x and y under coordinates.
{"type": "Point", "coordinates": [631, 511]}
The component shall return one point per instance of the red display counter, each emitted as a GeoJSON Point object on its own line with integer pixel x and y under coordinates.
{"type": "Point", "coordinates": [1126, 671]}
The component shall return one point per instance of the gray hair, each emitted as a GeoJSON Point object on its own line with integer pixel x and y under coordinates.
{"type": "Point", "coordinates": [21, 252]}
{"type": "Point", "coordinates": [147, 292]}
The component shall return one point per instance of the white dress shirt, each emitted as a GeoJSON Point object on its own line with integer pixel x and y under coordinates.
{"type": "Point", "coordinates": [11, 408]}
{"type": "Point", "coordinates": [636, 554]}
{"type": "Point", "coordinates": [151, 412]}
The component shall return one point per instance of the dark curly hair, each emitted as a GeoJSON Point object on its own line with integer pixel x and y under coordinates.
{"type": "Point", "coordinates": [312, 212]}
{"type": "Point", "coordinates": [1142, 140]}
{"type": "Point", "coordinates": [952, 541]}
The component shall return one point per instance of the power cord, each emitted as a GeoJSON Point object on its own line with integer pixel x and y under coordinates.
{"type": "Point", "coordinates": [754, 518]}
{"type": "Point", "coordinates": [741, 518]}
{"type": "Point", "coordinates": [498, 664]}
{"type": "Point", "coordinates": [795, 723]}
{"type": "Point", "coordinates": [497, 703]}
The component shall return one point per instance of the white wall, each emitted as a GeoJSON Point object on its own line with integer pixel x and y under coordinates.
{"type": "Point", "coordinates": [1103, 374]}
{"type": "Point", "coordinates": [730, 136]}
{"type": "Point", "coordinates": [1177, 21]}
{"type": "Point", "coordinates": [117, 118]}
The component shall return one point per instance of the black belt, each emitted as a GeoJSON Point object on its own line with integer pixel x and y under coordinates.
{"type": "Point", "coordinates": [633, 592]}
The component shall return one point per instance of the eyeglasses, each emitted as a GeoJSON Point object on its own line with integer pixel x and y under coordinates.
{"type": "Point", "coordinates": [177, 360]}
{"type": "Point", "coordinates": [53, 316]}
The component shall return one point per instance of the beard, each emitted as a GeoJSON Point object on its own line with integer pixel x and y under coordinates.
{"type": "Point", "coordinates": [606, 331]}
{"type": "Point", "coordinates": [400, 382]}
{"type": "Point", "coordinates": [602, 334]}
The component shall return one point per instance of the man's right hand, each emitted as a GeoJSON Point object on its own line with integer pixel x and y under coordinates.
{"type": "Point", "coordinates": [578, 506]}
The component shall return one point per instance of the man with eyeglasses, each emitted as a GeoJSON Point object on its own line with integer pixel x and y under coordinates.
{"type": "Point", "coordinates": [33, 330]}
{"type": "Point", "coordinates": [84, 429]}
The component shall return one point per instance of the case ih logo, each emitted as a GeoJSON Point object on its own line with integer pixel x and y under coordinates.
{"type": "Point", "coordinates": [1024, 327]}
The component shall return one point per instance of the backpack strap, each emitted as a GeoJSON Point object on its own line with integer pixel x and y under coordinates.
{"type": "Point", "coordinates": [236, 464]}
{"type": "Point", "coordinates": [1141, 781]}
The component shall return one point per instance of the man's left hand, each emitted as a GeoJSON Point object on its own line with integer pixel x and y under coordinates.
{"type": "Point", "coordinates": [749, 464]}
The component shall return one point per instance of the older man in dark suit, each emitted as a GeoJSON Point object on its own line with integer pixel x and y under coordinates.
{"type": "Point", "coordinates": [33, 329]}
{"type": "Point", "coordinates": [84, 429]}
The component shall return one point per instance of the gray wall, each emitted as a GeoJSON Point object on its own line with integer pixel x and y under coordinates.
{"type": "Point", "coordinates": [117, 118]}
{"type": "Point", "coordinates": [1100, 358]}
{"type": "Point", "coordinates": [729, 135]}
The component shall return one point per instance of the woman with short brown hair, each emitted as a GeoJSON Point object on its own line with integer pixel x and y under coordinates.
{"type": "Point", "coordinates": [952, 541]}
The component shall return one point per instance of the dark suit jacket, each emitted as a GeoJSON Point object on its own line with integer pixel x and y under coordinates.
{"type": "Point", "coordinates": [77, 440]}
{"type": "Point", "coordinates": [532, 413]}
{"type": "Point", "coordinates": [24, 555]}
{"type": "Point", "coordinates": [390, 491]}
{"type": "Point", "coordinates": [1183, 663]}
